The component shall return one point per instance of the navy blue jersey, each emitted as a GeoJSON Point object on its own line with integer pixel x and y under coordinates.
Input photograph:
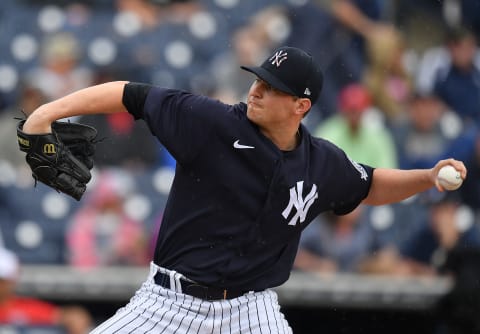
{"type": "Point", "coordinates": [238, 204]}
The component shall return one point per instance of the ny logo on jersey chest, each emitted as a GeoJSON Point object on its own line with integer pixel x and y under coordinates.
{"type": "Point", "coordinates": [301, 204]}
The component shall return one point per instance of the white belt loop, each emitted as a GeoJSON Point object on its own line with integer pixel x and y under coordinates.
{"type": "Point", "coordinates": [173, 283]}
{"type": "Point", "coordinates": [178, 276]}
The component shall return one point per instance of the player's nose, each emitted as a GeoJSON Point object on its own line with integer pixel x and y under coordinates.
{"type": "Point", "coordinates": [257, 88]}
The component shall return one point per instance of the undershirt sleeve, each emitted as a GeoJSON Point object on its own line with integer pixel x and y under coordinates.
{"type": "Point", "coordinates": [134, 96]}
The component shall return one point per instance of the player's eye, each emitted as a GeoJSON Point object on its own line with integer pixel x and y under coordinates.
{"type": "Point", "coordinates": [267, 86]}
{"type": "Point", "coordinates": [264, 84]}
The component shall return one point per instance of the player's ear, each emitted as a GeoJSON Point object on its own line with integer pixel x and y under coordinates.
{"type": "Point", "coordinates": [303, 105]}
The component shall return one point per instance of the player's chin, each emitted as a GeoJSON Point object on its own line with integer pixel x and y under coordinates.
{"type": "Point", "coordinates": [252, 113]}
{"type": "Point", "coordinates": [254, 116]}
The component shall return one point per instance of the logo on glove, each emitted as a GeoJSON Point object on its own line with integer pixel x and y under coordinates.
{"type": "Point", "coordinates": [49, 149]}
{"type": "Point", "coordinates": [23, 141]}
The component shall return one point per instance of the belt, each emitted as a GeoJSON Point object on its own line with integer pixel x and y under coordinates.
{"type": "Point", "coordinates": [198, 290]}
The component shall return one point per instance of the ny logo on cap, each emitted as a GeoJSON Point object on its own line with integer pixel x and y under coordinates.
{"type": "Point", "coordinates": [278, 58]}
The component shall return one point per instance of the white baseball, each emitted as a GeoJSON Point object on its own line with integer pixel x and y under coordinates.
{"type": "Point", "coordinates": [449, 178]}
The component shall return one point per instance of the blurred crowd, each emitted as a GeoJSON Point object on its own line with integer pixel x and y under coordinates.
{"type": "Point", "coordinates": [401, 89]}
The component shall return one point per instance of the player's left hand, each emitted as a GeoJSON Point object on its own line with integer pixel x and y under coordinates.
{"type": "Point", "coordinates": [53, 163]}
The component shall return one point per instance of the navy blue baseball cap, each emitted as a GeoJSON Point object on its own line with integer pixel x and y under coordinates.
{"type": "Point", "coordinates": [291, 70]}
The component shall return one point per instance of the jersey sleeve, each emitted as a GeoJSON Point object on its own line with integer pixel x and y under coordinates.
{"type": "Point", "coordinates": [348, 181]}
{"type": "Point", "coordinates": [183, 122]}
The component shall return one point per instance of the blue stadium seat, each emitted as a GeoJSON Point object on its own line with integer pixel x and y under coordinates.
{"type": "Point", "coordinates": [394, 223]}
{"type": "Point", "coordinates": [146, 184]}
{"type": "Point", "coordinates": [31, 224]}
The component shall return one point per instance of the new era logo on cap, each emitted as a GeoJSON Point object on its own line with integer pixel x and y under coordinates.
{"type": "Point", "coordinates": [291, 70]}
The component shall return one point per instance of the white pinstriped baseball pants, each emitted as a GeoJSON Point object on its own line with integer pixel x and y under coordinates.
{"type": "Point", "coordinates": [155, 309]}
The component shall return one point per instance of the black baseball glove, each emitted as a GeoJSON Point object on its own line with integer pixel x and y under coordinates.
{"type": "Point", "coordinates": [79, 138]}
{"type": "Point", "coordinates": [62, 159]}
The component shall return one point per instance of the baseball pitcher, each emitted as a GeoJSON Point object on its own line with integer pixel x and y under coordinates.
{"type": "Point", "coordinates": [249, 178]}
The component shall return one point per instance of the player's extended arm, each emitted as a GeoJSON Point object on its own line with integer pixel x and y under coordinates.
{"type": "Point", "coordinates": [104, 98]}
{"type": "Point", "coordinates": [394, 185]}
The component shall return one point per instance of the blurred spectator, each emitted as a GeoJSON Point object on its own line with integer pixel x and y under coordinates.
{"type": "Point", "coordinates": [364, 19]}
{"type": "Point", "coordinates": [23, 311]}
{"type": "Point", "coordinates": [357, 130]}
{"type": "Point", "coordinates": [449, 225]}
{"type": "Point", "coordinates": [458, 83]}
{"type": "Point", "coordinates": [60, 71]}
{"type": "Point", "coordinates": [231, 82]}
{"type": "Point", "coordinates": [356, 24]}
{"type": "Point", "coordinates": [386, 74]}
{"type": "Point", "coordinates": [430, 132]}
{"type": "Point", "coordinates": [337, 243]}
{"type": "Point", "coordinates": [103, 231]}
{"type": "Point", "coordinates": [436, 59]}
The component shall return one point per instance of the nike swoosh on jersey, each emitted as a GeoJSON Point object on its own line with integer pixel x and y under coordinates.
{"type": "Point", "coordinates": [237, 144]}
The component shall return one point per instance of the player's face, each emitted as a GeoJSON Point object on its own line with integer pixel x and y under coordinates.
{"type": "Point", "coordinates": [267, 105]}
